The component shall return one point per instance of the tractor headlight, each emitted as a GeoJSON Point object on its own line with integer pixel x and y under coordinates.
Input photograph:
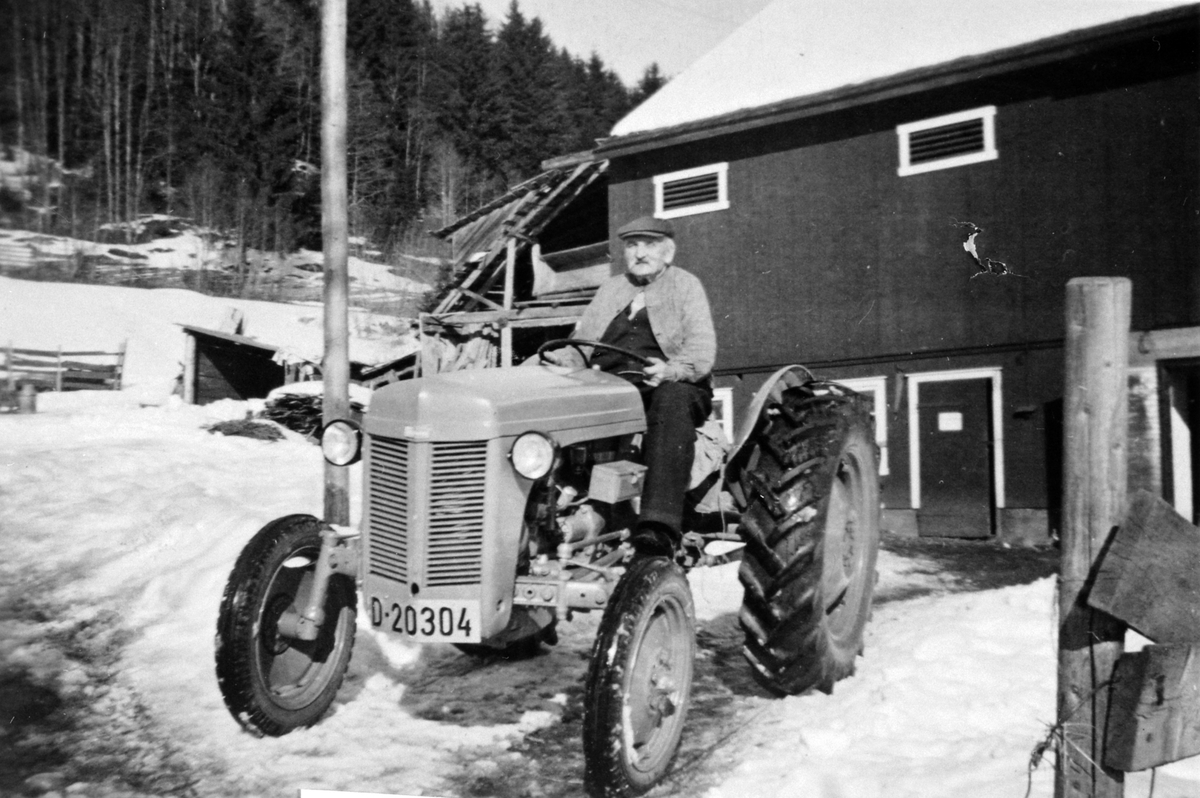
{"type": "Point", "coordinates": [532, 455]}
{"type": "Point", "coordinates": [341, 442]}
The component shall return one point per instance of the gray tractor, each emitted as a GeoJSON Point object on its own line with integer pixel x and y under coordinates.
{"type": "Point", "coordinates": [498, 502]}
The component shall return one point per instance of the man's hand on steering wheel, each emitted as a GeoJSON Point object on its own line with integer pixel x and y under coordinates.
{"type": "Point", "coordinates": [566, 357]}
{"type": "Point", "coordinates": [656, 372]}
{"type": "Point", "coordinates": [546, 353]}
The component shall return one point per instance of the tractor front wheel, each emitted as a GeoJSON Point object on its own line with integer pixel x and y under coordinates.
{"type": "Point", "coordinates": [639, 681]}
{"type": "Point", "coordinates": [272, 683]}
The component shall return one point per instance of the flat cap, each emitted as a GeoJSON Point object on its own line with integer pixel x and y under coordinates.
{"type": "Point", "coordinates": [647, 226]}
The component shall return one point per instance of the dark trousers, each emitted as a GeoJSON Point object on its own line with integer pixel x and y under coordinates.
{"type": "Point", "coordinates": [673, 412]}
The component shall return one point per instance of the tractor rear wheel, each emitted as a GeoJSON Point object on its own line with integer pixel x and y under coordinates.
{"type": "Point", "coordinates": [811, 527]}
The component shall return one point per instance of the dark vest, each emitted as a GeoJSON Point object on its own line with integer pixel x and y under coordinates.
{"type": "Point", "coordinates": [632, 334]}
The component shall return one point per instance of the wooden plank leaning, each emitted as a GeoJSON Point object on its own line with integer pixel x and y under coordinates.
{"type": "Point", "coordinates": [1149, 578]}
{"type": "Point", "coordinates": [1154, 709]}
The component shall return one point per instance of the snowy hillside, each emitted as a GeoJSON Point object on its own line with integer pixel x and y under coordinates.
{"type": "Point", "coordinates": [122, 517]}
{"type": "Point", "coordinates": [166, 242]}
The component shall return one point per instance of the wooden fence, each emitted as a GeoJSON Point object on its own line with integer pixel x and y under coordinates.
{"type": "Point", "coordinates": [59, 370]}
{"type": "Point", "coordinates": [16, 255]}
{"type": "Point", "coordinates": [1125, 564]}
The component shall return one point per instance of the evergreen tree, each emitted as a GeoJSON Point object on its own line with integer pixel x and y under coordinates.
{"type": "Point", "coordinates": [252, 127]}
{"type": "Point", "coordinates": [391, 47]}
{"type": "Point", "coordinates": [211, 108]}
{"type": "Point", "coordinates": [464, 173]}
{"type": "Point", "coordinates": [608, 97]}
{"type": "Point", "coordinates": [576, 90]}
{"type": "Point", "coordinates": [529, 120]}
{"type": "Point", "coordinates": [652, 80]}
{"type": "Point", "coordinates": [464, 60]}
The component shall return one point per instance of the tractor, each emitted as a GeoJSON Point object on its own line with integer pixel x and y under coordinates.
{"type": "Point", "coordinates": [499, 502]}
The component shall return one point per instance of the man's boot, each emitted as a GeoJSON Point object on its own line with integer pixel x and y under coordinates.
{"type": "Point", "coordinates": [654, 539]}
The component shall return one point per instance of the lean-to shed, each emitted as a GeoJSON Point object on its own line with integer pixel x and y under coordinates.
{"type": "Point", "coordinates": [525, 265]}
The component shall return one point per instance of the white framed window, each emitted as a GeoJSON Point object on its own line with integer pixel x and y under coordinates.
{"type": "Point", "coordinates": [699, 190]}
{"type": "Point", "coordinates": [948, 141]}
{"type": "Point", "coordinates": [723, 410]}
{"type": "Point", "coordinates": [876, 388]}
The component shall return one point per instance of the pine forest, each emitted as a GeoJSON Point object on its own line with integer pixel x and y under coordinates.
{"type": "Point", "coordinates": [209, 110]}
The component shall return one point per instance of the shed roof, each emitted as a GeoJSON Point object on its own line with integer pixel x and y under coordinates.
{"type": "Point", "coordinates": [794, 49]}
{"type": "Point", "coordinates": [241, 340]}
{"type": "Point", "coordinates": [480, 238]}
{"type": "Point", "coordinates": [295, 352]}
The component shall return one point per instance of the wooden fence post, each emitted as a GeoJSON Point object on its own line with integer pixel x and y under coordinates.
{"type": "Point", "coordinates": [189, 368]}
{"type": "Point", "coordinates": [510, 268]}
{"type": "Point", "coordinates": [120, 375]}
{"type": "Point", "coordinates": [1094, 467]}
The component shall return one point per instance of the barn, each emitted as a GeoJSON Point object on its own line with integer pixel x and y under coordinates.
{"type": "Point", "coordinates": [895, 195]}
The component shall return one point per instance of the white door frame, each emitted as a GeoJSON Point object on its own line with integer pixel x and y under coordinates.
{"type": "Point", "coordinates": [876, 388]}
{"type": "Point", "coordinates": [914, 439]}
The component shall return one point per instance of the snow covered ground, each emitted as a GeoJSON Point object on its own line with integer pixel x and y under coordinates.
{"type": "Point", "coordinates": [122, 515]}
{"type": "Point", "coordinates": [37, 315]}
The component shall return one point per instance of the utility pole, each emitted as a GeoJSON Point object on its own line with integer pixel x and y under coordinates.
{"type": "Point", "coordinates": [335, 235]}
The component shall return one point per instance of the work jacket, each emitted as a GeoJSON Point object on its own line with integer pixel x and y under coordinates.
{"type": "Point", "coordinates": [679, 317]}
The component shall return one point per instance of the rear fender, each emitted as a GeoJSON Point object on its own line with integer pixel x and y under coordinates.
{"type": "Point", "coordinates": [771, 390]}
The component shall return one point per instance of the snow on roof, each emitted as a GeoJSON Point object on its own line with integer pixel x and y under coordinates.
{"type": "Point", "coordinates": [796, 48]}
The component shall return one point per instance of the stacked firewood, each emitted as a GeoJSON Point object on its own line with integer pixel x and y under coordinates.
{"type": "Point", "coordinates": [300, 412]}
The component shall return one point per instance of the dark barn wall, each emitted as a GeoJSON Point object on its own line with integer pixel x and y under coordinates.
{"type": "Point", "coordinates": [827, 257]}
{"type": "Point", "coordinates": [1031, 394]}
{"type": "Point", "coordinates": [827, 254]}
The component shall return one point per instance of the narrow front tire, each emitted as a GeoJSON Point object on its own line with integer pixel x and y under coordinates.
{"type": "Point", "coordinates": [272, 683]}
{"type": "Point", "coordinates": [639, 681]}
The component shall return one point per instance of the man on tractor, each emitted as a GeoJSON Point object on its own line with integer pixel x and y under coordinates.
{"type": "Point", "coordinates": [659, 312]}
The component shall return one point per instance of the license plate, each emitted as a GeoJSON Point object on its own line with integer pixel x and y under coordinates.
{"type": "Point", "coordinates": [435, 621]}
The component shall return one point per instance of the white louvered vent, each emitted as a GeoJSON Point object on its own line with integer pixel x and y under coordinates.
{"type": "Point", "coordinates": [948, 141]}
{"type": "Point", "coordinates": [698, 190]}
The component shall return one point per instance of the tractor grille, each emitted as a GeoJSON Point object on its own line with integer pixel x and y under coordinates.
{"type": "Point", "coordinates": [456, 488]}
{"type": "Point", "coordinates": [387, 515]}
{"type": "Point", "coordinates": [454, 509]}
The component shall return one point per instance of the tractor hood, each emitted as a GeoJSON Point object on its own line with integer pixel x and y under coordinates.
{"type": "Point", "coordinates": [481, 404]}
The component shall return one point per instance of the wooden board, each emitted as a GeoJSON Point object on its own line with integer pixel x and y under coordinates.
{"type": "Point", "coordinates": [570, 270]}
{"type": "Point", "coordinates": [1150, 576]}
{"type": "Point", "coordinates": [1154, 708]}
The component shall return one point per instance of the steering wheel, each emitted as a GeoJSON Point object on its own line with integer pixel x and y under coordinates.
{"type": "Point", "coordinates": [577, 344]}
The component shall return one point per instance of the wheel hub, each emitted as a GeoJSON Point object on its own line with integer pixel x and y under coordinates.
{"type": "Point", "coordinates": [272, 641]}
{"type": "Point", "coordinates": [662, 687]}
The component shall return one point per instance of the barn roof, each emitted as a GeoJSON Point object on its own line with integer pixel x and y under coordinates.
{"type": "Point", "coordinates": [798, 49]}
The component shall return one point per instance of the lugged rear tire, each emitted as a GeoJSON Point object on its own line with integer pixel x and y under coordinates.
{"type": "Point", "coordinates": [811, 527]}
{"type": "Point", "coordinates": [273, 684]}
{"type": "Point", "coordinates": [639, 680]}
